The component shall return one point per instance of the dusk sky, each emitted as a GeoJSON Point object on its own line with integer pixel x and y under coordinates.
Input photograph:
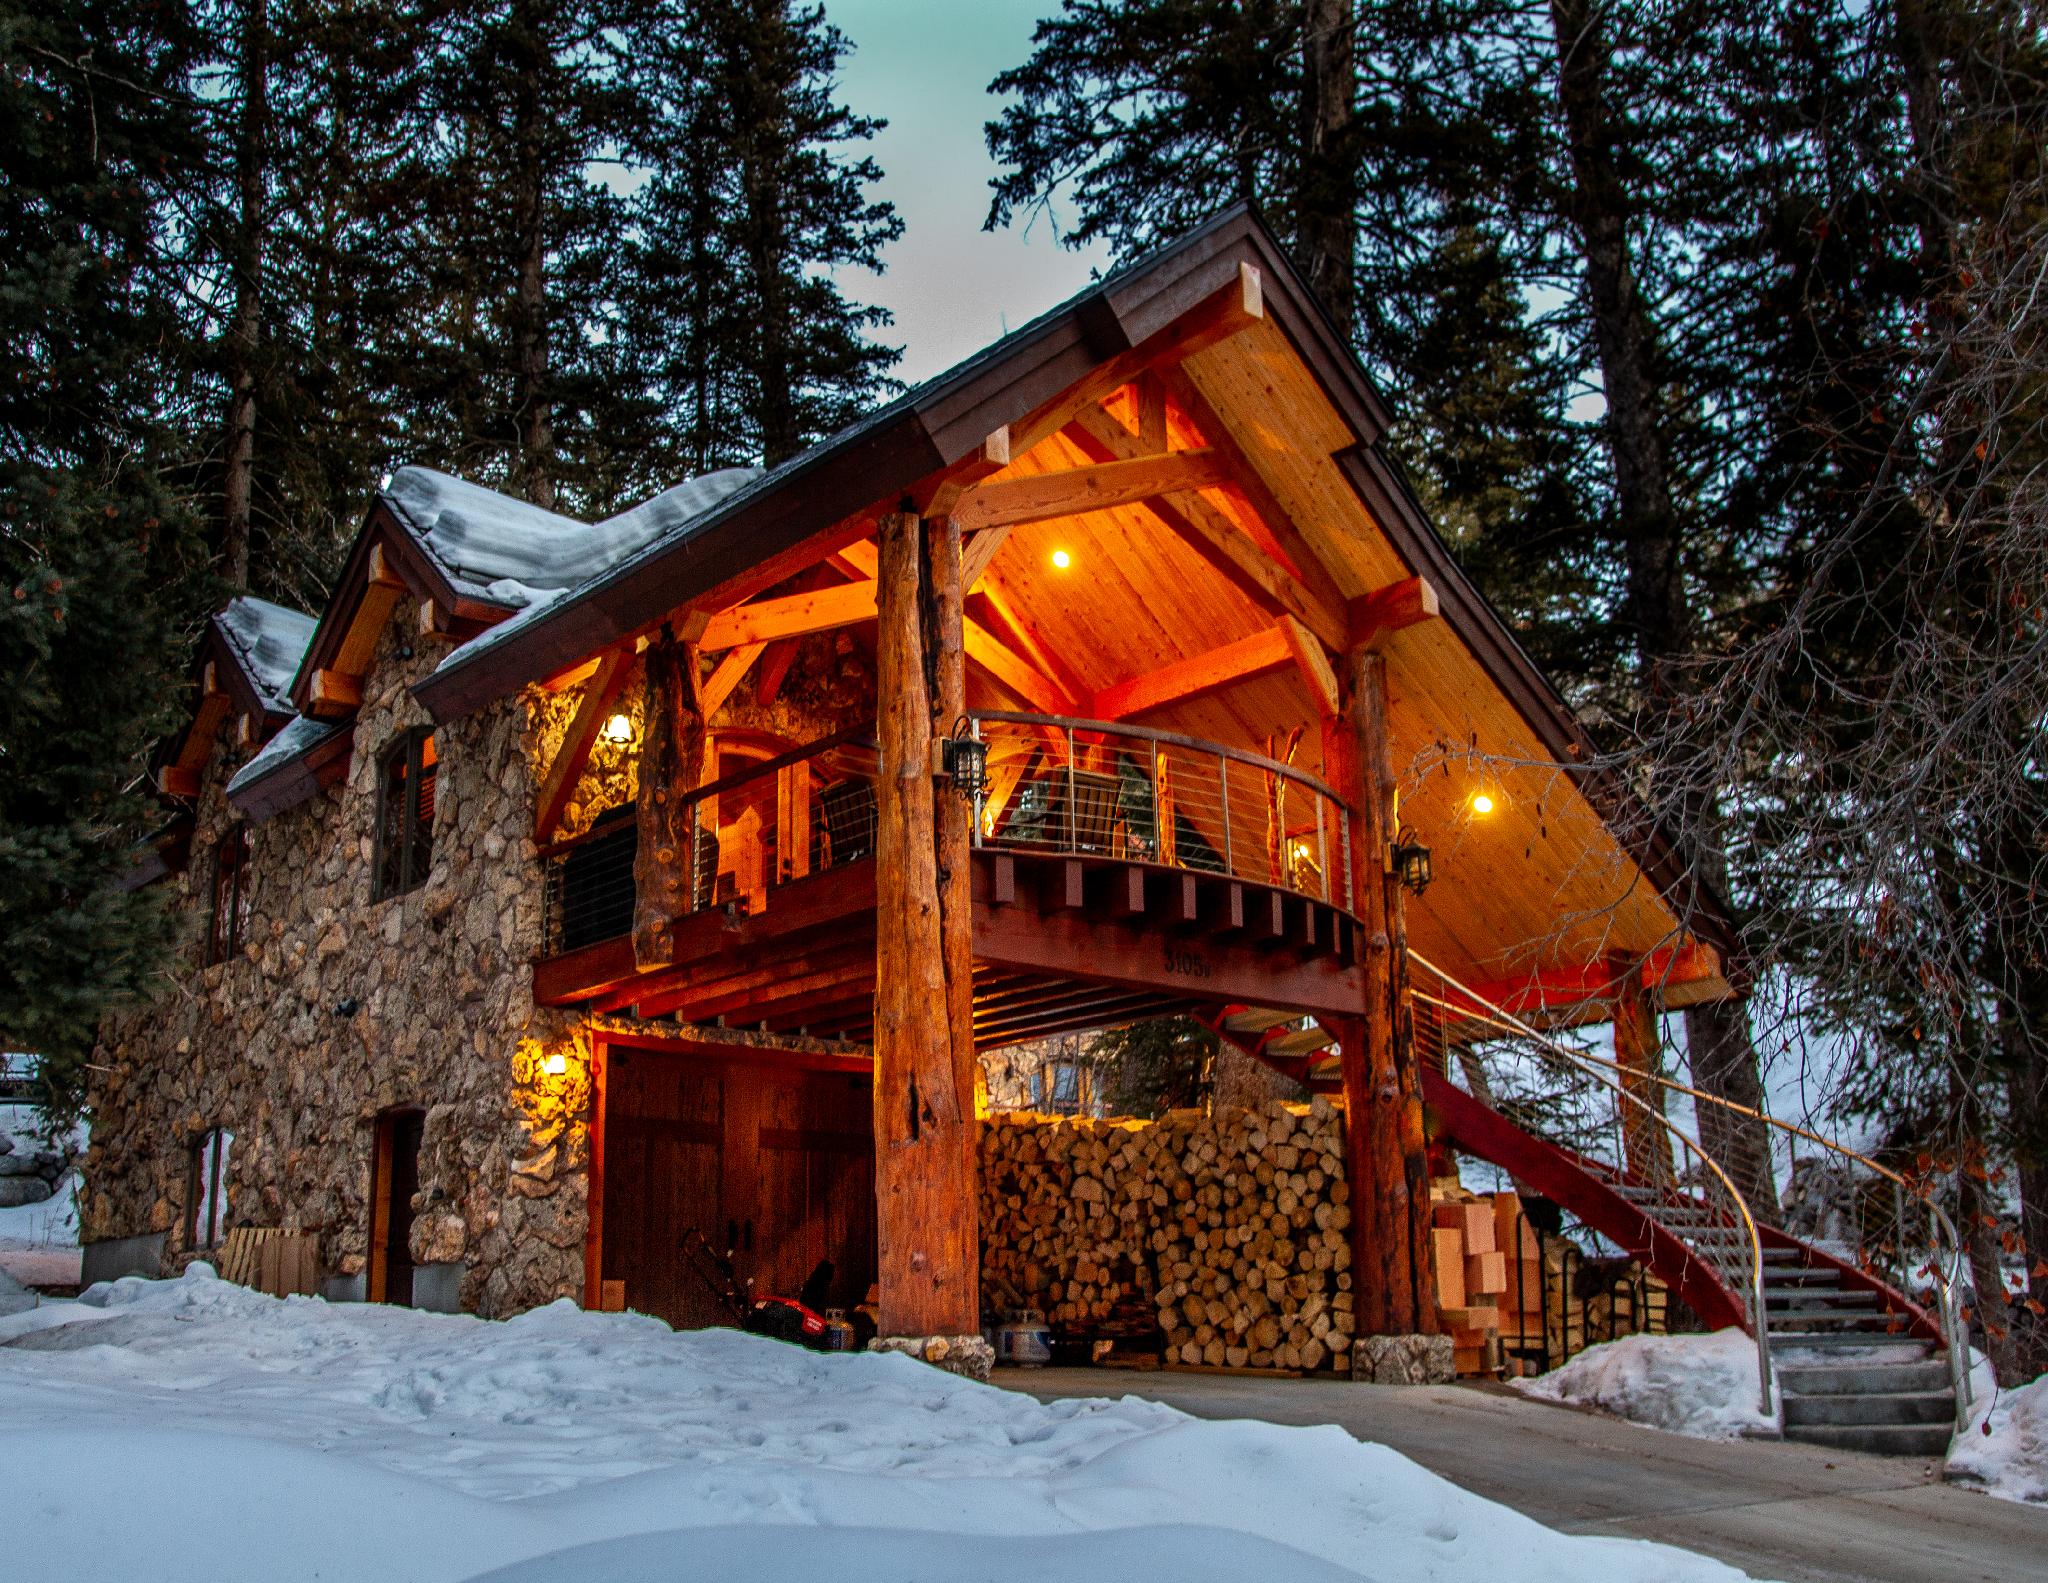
{"type": "Point", "coordinates": [926, 67]}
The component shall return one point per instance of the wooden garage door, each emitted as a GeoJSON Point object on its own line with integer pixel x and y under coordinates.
{"type": "Point", "coordinates": [775, 1164]}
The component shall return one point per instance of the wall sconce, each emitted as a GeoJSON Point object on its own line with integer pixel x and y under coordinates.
{"type": "Point", "coordinates": [619, 729]}
{"type": "Point", "coordinates": [963, 759]}
{"type": "Point", "coordinates": [1410, 861]}
{"type": "Point", "coordinates": [556, 1065]}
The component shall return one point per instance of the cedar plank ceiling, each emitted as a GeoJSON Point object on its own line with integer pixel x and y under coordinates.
{"type": "Point", "coordinates": [1539, 883]}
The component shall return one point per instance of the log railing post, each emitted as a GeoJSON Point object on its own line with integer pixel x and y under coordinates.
{"type": "Point", "coordinates": [928, 1270]}
{"type": "Point", "coordinates": [671, 762]}
{"type": "Point", "coordinates": [1393, 1288]}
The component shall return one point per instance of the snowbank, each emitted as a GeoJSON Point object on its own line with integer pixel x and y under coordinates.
{"type": "Point", "coordinates": [1703, 1386]}
{"type": "Point", "coordinates": [2005, 1449]}
{"type": "Point", "coordinates": [605, 1446]}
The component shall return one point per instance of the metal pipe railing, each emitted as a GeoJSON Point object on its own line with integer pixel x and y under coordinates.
{"type": "Point", "coordinates": [1476, 1009]}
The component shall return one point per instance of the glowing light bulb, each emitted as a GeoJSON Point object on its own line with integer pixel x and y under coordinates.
{"type": "Point", "coordinates": [619, 728]}
{"type": "Point", "coordinates": [1061, 560]}
{"type": "Point", "coordinates": [555, 1065]}
{"type": "Point", "coordinates": [1482, 803]}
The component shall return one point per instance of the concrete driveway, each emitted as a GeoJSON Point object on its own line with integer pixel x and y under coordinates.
{"type": "Point", "coordinates": [1794, 1513]}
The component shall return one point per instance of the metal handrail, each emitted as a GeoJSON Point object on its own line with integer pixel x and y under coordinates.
{"type": "Point", "coordinates": [1489, 1014]}
{"type": "Point", "coordinates": [1221, 750]}
{"type": "Point", "coordinates": [1948, 1306]}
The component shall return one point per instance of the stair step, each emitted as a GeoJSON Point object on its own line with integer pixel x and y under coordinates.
{"type": "Point", "coordinates": [1828, 1339]}
{"type": "Point", "coordinates": [1862, 1379]}
{"type": "Point", "coordinates": [1895, 1440]}
{"type": "Point", "coordinates": [1783, 1280]}
{"type": "Point", "coordinates": [1880, 1407]}
{"type": "Point", "coordinates": [1800, 1298]}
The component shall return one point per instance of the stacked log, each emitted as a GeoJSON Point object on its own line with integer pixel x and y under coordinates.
{"type": "Point", "coordinates": [1232, 1226]}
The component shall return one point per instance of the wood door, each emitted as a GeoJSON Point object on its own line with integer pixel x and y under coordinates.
{"type": "Point", "coordinates": [664, 1150]}
{"type": "Point", "coordinates": [774, 1163]}
{"type": "Point", "coordinates": [395, 1179]}
{"type": "Point", "coordinates": [814, 1175]}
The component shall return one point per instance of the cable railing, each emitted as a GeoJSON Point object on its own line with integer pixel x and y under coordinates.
{"type": "Point", "coordinates": [1095, 789]}
{"type": "Point", "coordinates": [1680, 1186]}
{"type": "Point", "coordinates": [749, 833]}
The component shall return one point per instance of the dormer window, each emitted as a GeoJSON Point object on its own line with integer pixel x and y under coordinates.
{"type": "Point", "coordinates": [405, 814]}
{"type": "Point", "coordinates": [230, 895]}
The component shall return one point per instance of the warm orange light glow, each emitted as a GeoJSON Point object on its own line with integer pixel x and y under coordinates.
{"type": "Point", "coordinates": [1482, 803]}
{"type": "Point", "coordinates": [619, 728]}
{"type": "Point", "coordinates": [555, 1065]}
{"type": "Point", "coordinates": [1061, 560]}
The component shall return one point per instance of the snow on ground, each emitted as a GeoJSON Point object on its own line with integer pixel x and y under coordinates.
{"type": "Point", "coordinates": [39, 1242]}
{"type": "Point", "coordinates": [1703, 1386]}
{"type": "Point", "coordinates": [2005, 1447]}
{"type": "Point", "coordinates": [607, 1447]}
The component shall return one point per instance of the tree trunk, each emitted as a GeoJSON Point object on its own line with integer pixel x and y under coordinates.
{"type": "Point", "coordinates": [671, 766]}
{"type": "Point", "coordinates": [531, 396]}
{"type": "Point", "coordinates": [943, 620]}
{"type": "Point", "coordinates": [1656, 609]}
{"type": "Point", "coordinates": [1977, 1221]}
{"type": "Point", "coordinates": [1327, 206]}
{"type": "Point", "coordinates": [925, 1189]}
{"type": "Point", "coordinates": [244, 340]}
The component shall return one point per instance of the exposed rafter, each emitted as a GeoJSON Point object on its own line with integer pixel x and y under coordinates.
{"type": "Point", "coordinates": [1235, 306]}
{"type": "Point", "coordinates": [1373, 616]}
{"type": "Point", "coordinates": [1212, 535]}
{"type": "Point", "coordinates": [606, 682]}
{"type": "Point", "coordinates": [1258, 655]}
{"type": "Point", "coordinates": [938, 496]}
{"type": "Point", "coordinates": [1075, 491]}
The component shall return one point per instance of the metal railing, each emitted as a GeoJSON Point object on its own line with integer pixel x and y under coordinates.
{"type": "Point", "coordinates": [749, 833]}
{"type": "Point", "coordinates": [1093, 788]}
{"type": "Point", "coordinates": [1514, 1068]}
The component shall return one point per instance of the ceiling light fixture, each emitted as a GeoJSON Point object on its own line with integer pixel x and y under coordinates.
{"type": "Point", "coordinates": [1061, 560]}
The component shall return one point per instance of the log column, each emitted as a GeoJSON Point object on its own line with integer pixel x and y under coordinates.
{"type": "Point", "coordinates": [924, 1179]}
{"type": "Point", "coordinates": [1639, 1053]}
{"type": "Point", "coordinates": [671, 764]}
{"type": "Point", "coordinates": [1393, 1290]}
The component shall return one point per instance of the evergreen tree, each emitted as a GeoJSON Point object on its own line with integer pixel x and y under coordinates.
{"type": "Point", "coordinates": [96, 135]}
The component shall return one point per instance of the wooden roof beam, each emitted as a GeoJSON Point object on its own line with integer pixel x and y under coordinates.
{"type": "Point", "coordinates": [330, 694]}
{"type": "Point", "coordinates": [1258, 655]}
{"type": "Point", "coordinates": [607, 681]}
{"type": "Point", "coordinates": [1210, 533]}
{"type": "Point", "coordinates": [727, 674]}
{"type": "Point", "coordinates": [1372, 617]}
{"type": "Point", "coordinates": [791, 615]}
{"type": "Point", "coordinates": [943, 492]}
{"type": "Point", "coordinates": [1234, 306]}
{"type": "Point", "coordinates": [1075, 491]}
{"type": "Point", "coordinates": [1245, 452]}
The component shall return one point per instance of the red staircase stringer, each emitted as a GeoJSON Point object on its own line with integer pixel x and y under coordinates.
{"type": "Point", "coordinates": [1563, 1178]}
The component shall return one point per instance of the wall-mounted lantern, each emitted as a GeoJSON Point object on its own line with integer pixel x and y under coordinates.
{"type": "Point", "coordinates": [619, 729]}
{"type": "Point", "coordinates": [963, 759]}
{"type": "Point", "coordinates": [1410, 861]}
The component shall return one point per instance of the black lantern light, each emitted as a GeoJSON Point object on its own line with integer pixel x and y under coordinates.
{"type": "Point", "coordinates": [964, 761]}
{"type": "Point", "coordinates": [1410, 861]}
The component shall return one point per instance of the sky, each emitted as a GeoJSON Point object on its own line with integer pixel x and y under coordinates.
{"type": "Point", "coordinates": [925, 67]}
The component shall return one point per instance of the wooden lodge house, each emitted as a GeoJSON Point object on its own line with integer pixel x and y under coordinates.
{"type": "Point", "coordinates": [567, 890]}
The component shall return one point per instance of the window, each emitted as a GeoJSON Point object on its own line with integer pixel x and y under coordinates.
{"type": "Point", "coordinates": [206, 1188]}
{"type": "Point", "coordinates": [405, 814]}
{"type": "Point", "coordinates": [230, 895]}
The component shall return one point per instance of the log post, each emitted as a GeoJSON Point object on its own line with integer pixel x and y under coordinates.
{"type": "Point", "coordinates": [671, 759]}
{"type": "Point", "coordinates": [1384, 1162]}
{"type": "Point", "coordinates": [943, 621]}
{"type": "Point", "coordinates": [1638, 1052]}
{"type": "Point", "coordinates": [924, 1185]}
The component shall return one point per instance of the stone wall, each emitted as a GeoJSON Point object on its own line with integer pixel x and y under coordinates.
{"type": "Point", "coordinates": [266, 1045]}
{"type": "Point", "coordinates": [1230, 1228]}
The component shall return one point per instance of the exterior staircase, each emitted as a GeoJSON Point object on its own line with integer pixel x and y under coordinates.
{"type": "Point", "coordinates": [1858, 1365]}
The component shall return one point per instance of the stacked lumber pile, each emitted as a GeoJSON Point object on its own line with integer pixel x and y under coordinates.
{"type": "Point", "coordinates": [1232, 1226]}
{"type": "Point", "coordinates": [1468, 1242]}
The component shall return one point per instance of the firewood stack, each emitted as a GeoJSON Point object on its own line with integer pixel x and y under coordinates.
{"type": "Point", "coordinates": [1234, 1227]}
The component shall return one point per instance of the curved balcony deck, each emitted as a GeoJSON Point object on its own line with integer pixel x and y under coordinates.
{"type": "Point", "coordinates": [1119, 872]}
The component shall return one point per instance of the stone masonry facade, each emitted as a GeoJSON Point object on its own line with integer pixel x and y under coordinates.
{"type": "Point", "coordinates": [338, 1008]}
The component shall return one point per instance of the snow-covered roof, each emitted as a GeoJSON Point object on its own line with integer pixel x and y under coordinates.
{"type": "Point", "coordinates": [509, 552]}
{"type": "Point", "coordinates": [298, 735]}
{"type": "Point", "coordinates": [269, 640]}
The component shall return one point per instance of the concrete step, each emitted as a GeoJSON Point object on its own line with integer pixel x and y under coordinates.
{"type": "Point", "coordinates": [1893, 1440]}
{"type": "Point", "coordinates": [1889, 1407]}
{"type": "Point", "coordinates": [1862, 1379]}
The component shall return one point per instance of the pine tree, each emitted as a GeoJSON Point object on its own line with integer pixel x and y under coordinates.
{"type": "Point", "coordinates": [96, 135]}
